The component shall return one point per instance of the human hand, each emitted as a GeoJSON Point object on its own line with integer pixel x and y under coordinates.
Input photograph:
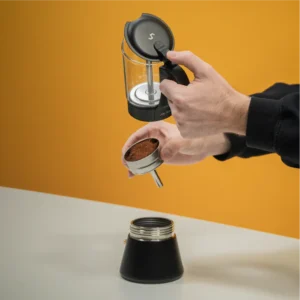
{"type": "Point", "coordinates": [174, 149]}
{"type": "Point", "coordinates": [208, 105]}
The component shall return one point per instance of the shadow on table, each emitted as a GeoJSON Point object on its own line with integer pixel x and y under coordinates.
{"type": "Point", "coordinates": [273, 273]}
{"type": "Point", "coordinates": [84, 254]}
{"type": "Point", "coordinates": [99, 256]}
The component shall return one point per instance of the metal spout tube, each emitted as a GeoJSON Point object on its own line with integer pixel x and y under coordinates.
{"type": "Point", "coordinates": [156, 178]}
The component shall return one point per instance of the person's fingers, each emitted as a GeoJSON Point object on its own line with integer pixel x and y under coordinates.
{"type": "Point", "coordinates": [135, 137]}
{"type": "Point", "coordinates": [173, 108]}
{"type": "Point", "coordinates": [130, 175]}
{"type": "Point", "coordinates": [171, 148]}
{"type": "Point", "coordinates": [173, 91]}
{"type": "Point", "coordinates": [152, 130]}
{"type": "Point", "coordinates": [187, 147]}
{"type": "Point", "coordinates": [189, 60]}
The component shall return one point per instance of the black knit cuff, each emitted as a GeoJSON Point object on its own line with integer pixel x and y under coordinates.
{"type": "Point", "coordinates": [262, 120]}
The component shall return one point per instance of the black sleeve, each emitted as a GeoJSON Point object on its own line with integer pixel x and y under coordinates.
{"type": "Point", "coordinates": [272, 126]}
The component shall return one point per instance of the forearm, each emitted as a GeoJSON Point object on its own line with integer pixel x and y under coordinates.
{"type": "Point", "coordinates": [269, 127]}
{"type": "Point", "coordinates": [274, 126]}
{"type": "Point", "coordinates": [238, 148]}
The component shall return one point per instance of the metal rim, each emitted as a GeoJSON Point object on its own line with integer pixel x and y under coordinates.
{"type": "Point", "coordinates": [136, 101]}
{"type": "Point", "coordinates": [158, 144]}
{"type": "Point", "coordinates": [152, 229]}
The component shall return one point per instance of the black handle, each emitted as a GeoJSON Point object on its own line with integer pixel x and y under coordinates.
{"type": "Point", "coordinates": [169, 71]}
{"type": "Point", "coordinates": [173, 72]}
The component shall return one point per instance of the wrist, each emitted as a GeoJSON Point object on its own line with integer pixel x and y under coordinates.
{"type": "Point", "coordinates": [239, 107]}
{"type": "Point", "coordinates": [216, 144]}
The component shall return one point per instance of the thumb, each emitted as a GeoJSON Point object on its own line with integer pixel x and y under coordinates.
{"type": "Point", "coordinates": [189, 60]}
{"type": "Point", "coordinates": [171, 148]}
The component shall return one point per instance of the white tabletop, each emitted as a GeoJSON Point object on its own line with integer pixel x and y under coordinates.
{"type": "Point", "coordinates": [61, 248]}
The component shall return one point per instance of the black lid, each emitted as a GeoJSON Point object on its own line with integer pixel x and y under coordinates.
{"type": "Point", "coordinates": [142, 33]}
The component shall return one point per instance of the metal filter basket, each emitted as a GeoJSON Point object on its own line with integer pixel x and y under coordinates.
{"type": "Point", "coordinates": [147, 164]}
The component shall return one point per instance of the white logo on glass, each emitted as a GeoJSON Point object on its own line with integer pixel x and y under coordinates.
{"type": "Point", "coordinates": [151, 36]}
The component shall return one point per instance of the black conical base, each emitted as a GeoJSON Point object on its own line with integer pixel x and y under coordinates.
{"type": "Point", "coordinates": [151, 262]}
{"type": "Point", "coordinates": [147, 114]}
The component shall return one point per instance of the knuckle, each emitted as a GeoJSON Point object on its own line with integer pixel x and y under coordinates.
{"type": "Point", "coordinates": [178, 99]}
{"type": "Point", "coordinates": [155, 131]}
{"type": "Point", "coordinates": [162, 85]}
{"type": "Point", "coordinates": [163, 132]}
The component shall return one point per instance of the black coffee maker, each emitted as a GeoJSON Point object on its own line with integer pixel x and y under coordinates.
{"type": "Point", "coordinates": [145, 45]}
{"type": "Point", "coordinates": [151, 254]}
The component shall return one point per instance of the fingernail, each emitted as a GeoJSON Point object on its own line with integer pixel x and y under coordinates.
{"type": "Point", "coordinates": [171, 54]}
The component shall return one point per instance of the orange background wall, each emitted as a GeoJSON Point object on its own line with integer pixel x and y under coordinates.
{"type": "Point", "coordinates": [63, 113]}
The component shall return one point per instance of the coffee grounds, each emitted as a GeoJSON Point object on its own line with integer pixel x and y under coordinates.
{"type": "Point", "coordinates": [141, 150]}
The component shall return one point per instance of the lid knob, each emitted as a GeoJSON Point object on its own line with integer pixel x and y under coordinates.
{"type": "Point", "coordinates": [142, 34]}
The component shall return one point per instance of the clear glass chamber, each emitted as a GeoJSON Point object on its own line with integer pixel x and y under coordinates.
{"type": "Point", "coordinates": [141, 79]}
